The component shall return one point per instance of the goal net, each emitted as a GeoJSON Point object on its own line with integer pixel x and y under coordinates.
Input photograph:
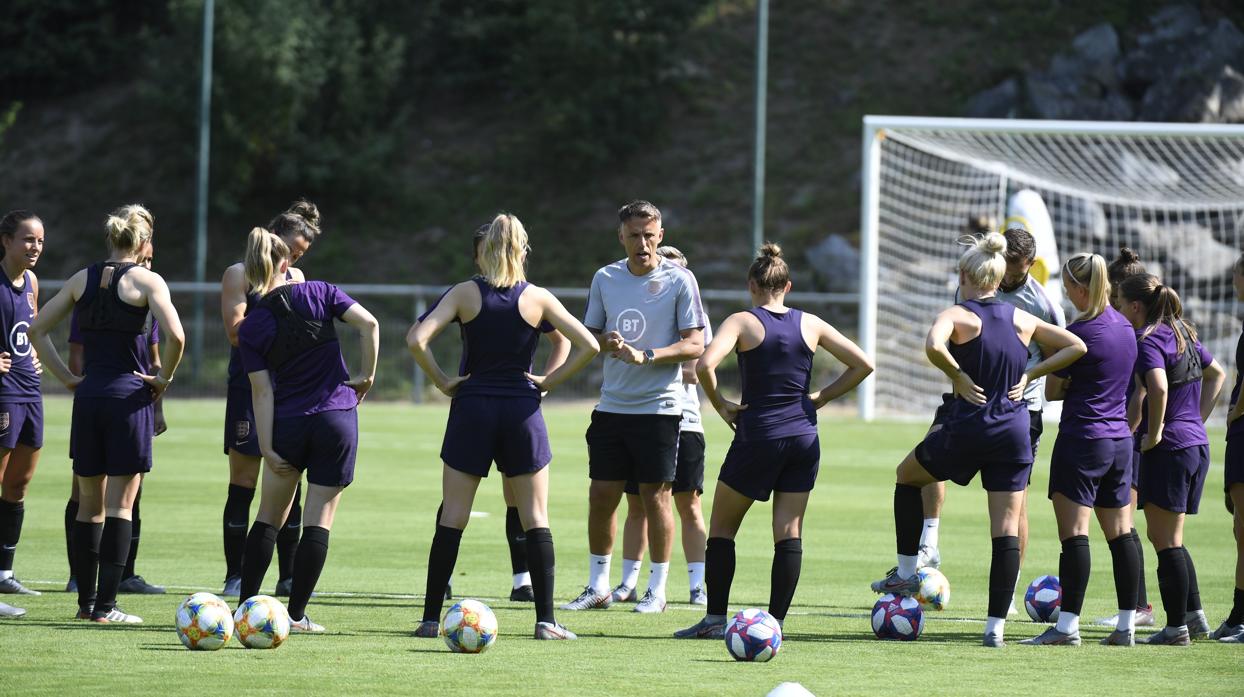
{"type": "Point", "coordinates": [1172, 192]}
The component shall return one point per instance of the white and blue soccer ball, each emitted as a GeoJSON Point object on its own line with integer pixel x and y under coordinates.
{"type": "Point", "coordinates": [469, 626]}
{"type": "Point", "coordinates": [261, 622]}
{"type": "Point", "coordinates": [934, 592]}
{"type": "Point", "coordinates": [1043, 599]}
{"type": "Point", "coordinates": [753, 635]}
{"type": "Point", "coordinates": [204, 622]}
{"type": "Point", "coordinates": [898, 618]}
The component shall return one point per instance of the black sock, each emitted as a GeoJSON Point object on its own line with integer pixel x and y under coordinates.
{"type": "Point", "coordinates": [538, 545]}
{"type": "Point", "coordinates": [1194, 589]}
{"type": "Point", "coordinates": [308, 563]}
{"type": "Point", "coordinates": [86, 540]}
{"type": "Point", "coordinates": [718, 573]}
{"type": "Point", "coordinates": [114, 547]}
{"type": "Point", "coordinates": [287, 538]}
{"type": "Point", "coordinates": [11, 517]}
{"type": "Point", "coordinates": [517, 541]}
{"type": "Point", "coordinates": [1074, 565]}
{"type": "Point", "coordinates": [71, 517]}
{"type": "Point", "coordinates": [1003, 570]}
{"type": "Point", "coordinates": [441, 560]}
{"type": "Point", "coordinates": [908, 518]}
{"type": "Point", "coordinates": [1126, 567]}
{"type": "Point", "coordinates": [135, 532]}
{"type": "Point", "coordinates": [257, 558]}
{"type": "Point", "coordinates": [1237, 608]}
{"type": "Point", "coordinates": [784, 576]}
{"type": "Point", "coordinates": [1173, 584]}
{"type": "Point", "coordinates": [1142, 592]}
{"type": "Point", "coordinates": [237, 519]}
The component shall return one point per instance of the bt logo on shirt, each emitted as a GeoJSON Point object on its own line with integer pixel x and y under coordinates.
{"type": "Point", "coordinates": [631, 325]}
{"type": "Point", "coordinates": [18, 340]}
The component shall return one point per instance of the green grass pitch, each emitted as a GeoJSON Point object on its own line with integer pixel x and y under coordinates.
{"type": "Point", "coordinates": [378, 558]}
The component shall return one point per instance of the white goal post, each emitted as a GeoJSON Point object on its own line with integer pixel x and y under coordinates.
{"type": "Point", "coordinates": [1172, 192]}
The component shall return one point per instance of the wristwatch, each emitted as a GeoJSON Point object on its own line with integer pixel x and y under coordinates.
{"type": "Point", "coordinates": [649, 356]}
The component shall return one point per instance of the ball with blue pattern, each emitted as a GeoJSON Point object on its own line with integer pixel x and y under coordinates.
{"type": "Point", "coordinates": [1043, 599]}
{"type": "Point", "coordinates": [753, 635]}
{"type": "Point", "coordinates": [469, 626]}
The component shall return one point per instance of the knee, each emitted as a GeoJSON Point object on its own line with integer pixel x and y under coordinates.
{"type": "Point", "coordinates": [249, 480]}
{"type": "Point", "coordinates": [688, 506]}
{"type": "Point", "coordinates": [15, 492]}
{"type": "Point", "coordinates": [602, 499]}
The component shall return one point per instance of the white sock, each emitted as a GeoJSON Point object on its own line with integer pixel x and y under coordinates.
{"type": "Point", "coordinates": [928, 537]}
{"type": "Point", "coordinates": [657, 577]}
{"type": "Point", "coordinates": [630, 572]}
{"type": "Point", "coordinates": [695, 574]}
{"type": "Point", "coordinates": [994, 625]}
{"type": "Point", "coordinates": [598, 572]}
{"type": "Point", "coordinates": [1068, 622]}
{"type": "Point", "coordinates": [1127, 621]}
{"type": "Point", "coordinates": [7, 573]}
{"type": "Point", "coordinates": [523, 579]}
{"type": "Point", "coordinates": [449, 583]}
{"type": "Point", "coordinates": [906, 565]}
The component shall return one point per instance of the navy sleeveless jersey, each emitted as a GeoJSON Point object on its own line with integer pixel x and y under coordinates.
{"type": "Point", "coordinates": [995, 360]}
{"type": "Point", "coordinates": [1237, 427]}
{"type": "Point", "coordinates": [113, 338]}
{"type": "Point", "coordinates": [17, 310]}
{"type": "Point", "coordinates": [498, 345]}
{"type": "Point", "coordinates": [237, 374]}
{"type": "Point", "coordinates": [775, 376]}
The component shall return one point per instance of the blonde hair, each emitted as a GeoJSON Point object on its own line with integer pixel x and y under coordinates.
{"type": "Point", "coordinates": [264, 254]}
{"type": "Point", "coordinates": [769, 270]}
{"type": "Point", "coordinates": [984, 260]}
{"type": "Point", "coordinates": [503, 251]}
{"type": "Point", "coordinates": [1089, 271]}
{"type": "Point", "coordinates": [128, 228]}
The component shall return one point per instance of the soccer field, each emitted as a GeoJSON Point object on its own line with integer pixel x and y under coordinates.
{"type": "Point", "coordinates": [370, 592]}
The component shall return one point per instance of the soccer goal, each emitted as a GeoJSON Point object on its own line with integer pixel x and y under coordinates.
{"type": "Point", "coordinates": [1172, 192]}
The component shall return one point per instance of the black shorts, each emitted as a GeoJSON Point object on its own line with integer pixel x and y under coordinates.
{"type": "Point", "coordinates": [689, 473]}
{"type": "Point", "coordinates": [756, 469]}
{"type": "Point", "coordinates": [324, 445]}
{"type": "Point", "coordinates": [1035, 428]}
{"type": "Point", "coordinates": [642, 447]}
{"type": "Point", "coordinates": [111, 436]}
{"type": "Point", "coordinates": [1233, 470]}
{"type": "Point", "coordinates": [240, 432]}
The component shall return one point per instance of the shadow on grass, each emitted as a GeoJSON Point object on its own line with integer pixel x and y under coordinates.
{"type": "Point", "coordinates": [82, 625]}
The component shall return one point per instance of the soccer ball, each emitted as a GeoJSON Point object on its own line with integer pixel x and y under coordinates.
{"type": "Point", "coordinates": [469, 627]}
{"type": "Point", "coordinates": [934, 590]}
{"type": "Point", "coordinates": [261, 622]}
{"type": "Point", "coordinates": [204, 622]}
{"type": "Point", "coordinates": [1043, 598]}
{"type": "Point", "coordinates": [753, 635]}
{"type": "Point", "coordinates": [898, 618]}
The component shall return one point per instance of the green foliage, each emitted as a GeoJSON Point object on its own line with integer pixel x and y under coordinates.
{"type": "Point", "coordinates": [8, 117]}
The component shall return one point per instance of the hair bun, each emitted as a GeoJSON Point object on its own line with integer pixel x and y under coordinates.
{"type": "Point", "coordinates": [771, 249]}
{"type": "Point", "coordinates": [115, 225]}
{"type": "Point", "coordinates": [1128, 256]}
{"type": "Point", "coordinates": [994, 243]}
{"type": "Point", "coordinates": [307, 211]}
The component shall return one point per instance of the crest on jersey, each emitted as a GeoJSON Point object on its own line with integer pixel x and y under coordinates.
{"type": "Point", "coordinates": [655, 286]}
{"type": "Point", "coordinates": [30, 300]}
{"type": "Point", "coordinates": [4, 421]}
{"type": "Point", "coordinates": [242, 429]}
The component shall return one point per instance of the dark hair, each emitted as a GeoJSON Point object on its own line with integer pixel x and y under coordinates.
{"type": "Point", "coordinates": [301, 219]}
{"type": "Point", "coordinates": [480, 233]}
{"type": "Point", "coordinates": [1124, 265]}
{"type": "Point", "coordinates": [13, 220]}
{"type": "Point", "coordinates": [638, 209]}
{"type": "Point", "coordinates": [980, 224]}
{"type": "Point", "coordinates": [769, 270]}
{"type": "Point", "coordinates": [1162, 305]}
{"type": "Point", "coordinates": [1019, 245]}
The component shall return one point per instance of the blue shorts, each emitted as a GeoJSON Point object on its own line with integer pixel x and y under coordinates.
{"type": "Point", "coordinates": [1234, 467]}
{"type": "Point", "coordinates": [756, 469]}
{"type": "Point", "coordinates": [240, 434]}
{"type": "Point", "coordinates": [1092, 472]}
{"type": "Point", "coordinates": [111, 436]}
{"type": "Point", "coordinates": [1002, 456]}
{"type": "Point", "coordinates": [507, 430]}
{"type": "Point", "coordinates": [21, 423]}
{"type": "Point", "coordinates": [1136, 439]}
{"type": "Point", "coordinates": [323, 445]}
{"type": "Point", "coordinates": [1173, 479]}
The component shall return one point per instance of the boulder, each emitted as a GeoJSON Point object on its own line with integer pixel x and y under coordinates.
{"type": "Point", "coordinates": [836, 263]}
{"type": "Point", "coordinates": [1001, 101]}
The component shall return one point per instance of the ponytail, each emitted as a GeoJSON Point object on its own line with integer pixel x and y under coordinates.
{"type": "Point", "coordinates": [1089, 271]}
{"type": "Point", "coordinates": [264, 254]}
{"type": "Point", "coordinates": [129, 228]}
{"type": "Point", "coordinates": [1162, 306]}
{"type": "Point", "coordinates": [503, 251]}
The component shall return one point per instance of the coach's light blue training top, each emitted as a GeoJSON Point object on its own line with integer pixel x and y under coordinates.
{"type": "Point", "coordinates": [650, 312]}
{"type": "Point", "coordinates": [1031, 298]}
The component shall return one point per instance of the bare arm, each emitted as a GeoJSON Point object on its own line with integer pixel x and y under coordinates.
{"type": "Point", "coordinates": [57, 309]}
{"type": "Point", "coordinates": [585, 344]}
{"type": "Point", "coordinates": [76, 358]}
{"type": "Point", "coordinates": [421, 334]}
{"type": "Point", "coordinates": [262, 402]}
{"type": "Point", "coordinates": [938, 353]}
{"type": "Point", "coordinates": [358, 317]}
{"type": "Point", "coordinates": [1212, 377]}
{"type": "Point", "coordinates": [173, 339]}
{"type": "Point", "coordinates": [1055, 387]}
{"type": "Point", "coordinates": [560, 350]}
{"type": "Point", "coordinates": [1157, 390]}
{"type": "Point", "coordinates": [154, 351]}
{"type": "Point", "coordinates": [233, 301]}
{"type": "Point", "coordinates": [725, 341]}
{"type": "Point", "coordinates": [1135, 405]}
{"type": "Point", "coordinates": [1061, 347]}
{"type": "Point", "coordinates": [689, 347]}
{"type": "Point", "coordinates": [859, 366]}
